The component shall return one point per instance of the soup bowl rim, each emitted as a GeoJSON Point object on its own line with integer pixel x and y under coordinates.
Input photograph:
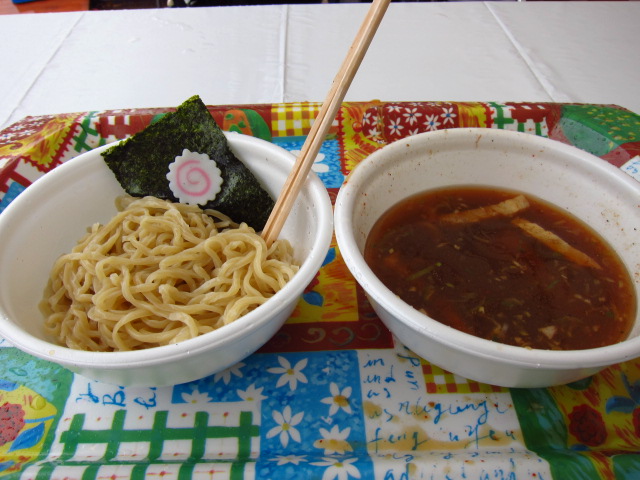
{"type": "Point", "coordinates": [437, 331]}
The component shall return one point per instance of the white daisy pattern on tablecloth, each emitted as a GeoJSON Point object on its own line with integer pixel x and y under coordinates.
{"type": "Point", "coordinates": [252, 394]}
{"type": "Point", "coordinates": [373, 132]}
{"type": "Point", "coordinates": [196, 397]}
{"type": "Point", "coordinates": [448, 116]}
{"type": "Point", "coordinates": [289, 459]}
{"type": "Point", "coordinates": [334, 441]}
{"type": "Point", "coordinates": [337, 468]}
{"type": "Point", "coordinates": [396, 127]}
{"type": "Point", "coordinates": [411, 115]}
{"type": "Point", "coordinates": [369, 118]}
{"type": "Point", "coordinates": [288, 374]}
{"type": "Point", "coordinates": [317, 166]}
{"type": "Point", "coordinates": [326, 164]}
{"type": "Point", "coordinates": [285, 427]}
{"type": "Point", "coordinates": [226, 375]}
{"type": "Point", "coordinates": [432, 122]}
{"type": "Point", "coordinates": [339, 399]}
{"type": "Point", "coordinates": [319, 369]}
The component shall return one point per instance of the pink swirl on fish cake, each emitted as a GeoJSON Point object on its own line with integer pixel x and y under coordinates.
{"type": "Point", "coordinates": [194, 178]}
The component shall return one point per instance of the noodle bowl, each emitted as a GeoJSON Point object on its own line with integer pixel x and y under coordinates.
{"type": "Point", "coordinates": [159, 273]}
{"type": "Point", "coordinates": [47, 220]}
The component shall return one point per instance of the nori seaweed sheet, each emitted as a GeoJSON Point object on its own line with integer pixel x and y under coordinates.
{"type": "Point", "coordinates": [141, 163]}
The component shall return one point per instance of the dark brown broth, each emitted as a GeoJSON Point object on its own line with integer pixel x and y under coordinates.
{"type": "Point", "coordinates": [491, 279]}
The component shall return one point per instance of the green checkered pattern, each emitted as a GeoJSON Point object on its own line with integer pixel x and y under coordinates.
{"type": "Point", "coordinates": [115, 434]}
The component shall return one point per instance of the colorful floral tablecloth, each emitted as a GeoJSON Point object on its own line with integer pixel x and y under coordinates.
{"type": "Point", "coordinates": [331, 395]}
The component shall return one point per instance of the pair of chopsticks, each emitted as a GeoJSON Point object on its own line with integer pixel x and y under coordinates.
{"type": "Point", "coordinates": [323, 121]}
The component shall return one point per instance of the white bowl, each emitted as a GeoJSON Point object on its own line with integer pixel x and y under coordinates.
{"type": "Point", "coordinates": [601, 195]}
{"type": "Point", "coordinates": [49, 218]}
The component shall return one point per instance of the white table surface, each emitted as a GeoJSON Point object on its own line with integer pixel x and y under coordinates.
{"type": "Point", "coordinates": [463, 51]}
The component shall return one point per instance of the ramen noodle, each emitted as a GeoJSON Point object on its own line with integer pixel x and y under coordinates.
{"type": "Point", "coordinates": [159, 273]}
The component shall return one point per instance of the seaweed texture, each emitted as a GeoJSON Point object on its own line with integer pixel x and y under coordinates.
{"type": "Point", "coordinates": [141, 163]}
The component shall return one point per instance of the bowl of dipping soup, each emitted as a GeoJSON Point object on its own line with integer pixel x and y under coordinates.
{"type": "Point", "coordinates": [503, 257]}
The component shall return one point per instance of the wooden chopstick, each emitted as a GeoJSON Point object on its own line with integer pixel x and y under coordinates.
{"type": "Point", "coordinates": [323, 121]}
